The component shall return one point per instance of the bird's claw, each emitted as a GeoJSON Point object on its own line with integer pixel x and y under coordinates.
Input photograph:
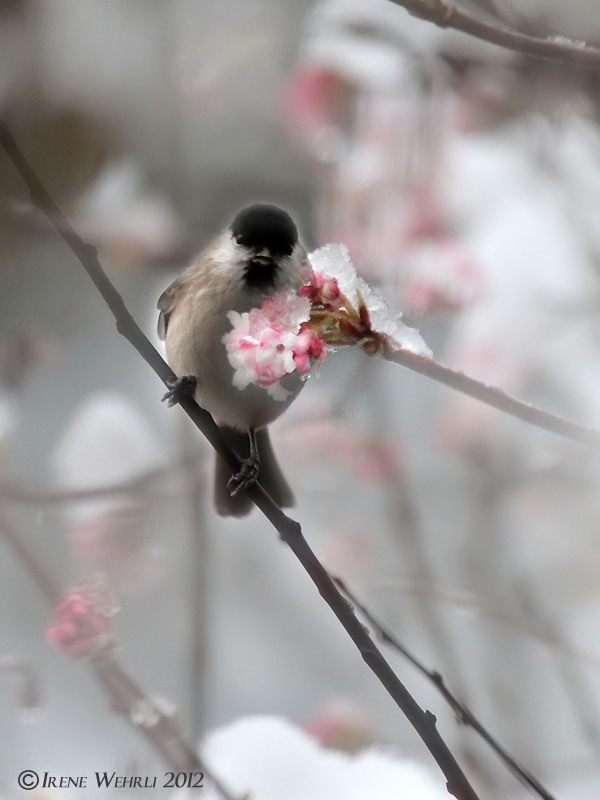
{"type": "Point", "coordinates": [179, 389]}
{"type": "Point", "coordinates": [245, 477]}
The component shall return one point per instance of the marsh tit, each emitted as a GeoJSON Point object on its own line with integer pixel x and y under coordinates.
{"type": "Point", "coordinates": [257, 256]}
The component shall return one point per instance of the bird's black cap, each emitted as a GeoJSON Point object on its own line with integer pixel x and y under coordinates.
{"type": "Point", "coordinates": [267, 226]}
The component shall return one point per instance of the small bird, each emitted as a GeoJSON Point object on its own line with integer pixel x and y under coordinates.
{"type": "Point", "coordinates": [256, 257]}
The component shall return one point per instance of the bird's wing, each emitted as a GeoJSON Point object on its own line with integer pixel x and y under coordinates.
{"type": "Point", "coordinates": [166, 304]}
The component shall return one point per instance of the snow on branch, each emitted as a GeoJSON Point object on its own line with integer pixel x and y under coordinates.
{"type": "Point", "coordinates": [559, 49]}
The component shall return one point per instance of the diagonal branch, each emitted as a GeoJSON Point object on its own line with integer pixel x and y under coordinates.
{"type": "Point", "coordinates": [290, 531]}
{"type": "Point", "coordinates": [559, 49]}
{"type": "Point", "coordinates": [493, 396]}
{"type": "Point", "coordinates": [463, 714]}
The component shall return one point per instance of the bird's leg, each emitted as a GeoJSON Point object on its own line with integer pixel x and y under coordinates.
{"type": "Point", "coordinates": [248, 472]}
{"type": "Point", "coordinates": [180, 388]}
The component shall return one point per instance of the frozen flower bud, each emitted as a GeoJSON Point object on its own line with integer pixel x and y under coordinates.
{"type": "Point", "coordinates": [321, 290]}
{"type": "Point", "coordinates": [309, 347]}
{"type": "Point", "coordinates": [375, 324]}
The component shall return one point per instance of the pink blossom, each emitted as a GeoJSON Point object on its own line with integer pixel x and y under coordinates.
{"type": "Point", "coordinates": [309, 347]}
{"type": "Point", "coordinates": [290, 331]}
{"type": "Point", "coordinates": [82, 625]}
{"type": "Point", "coordinates": [264, 344]}
{"type": "Point", "coordinates": [321, 290]}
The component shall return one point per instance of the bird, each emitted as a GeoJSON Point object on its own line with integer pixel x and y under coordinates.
{"type": "Point", "coordinates": [257, 256]}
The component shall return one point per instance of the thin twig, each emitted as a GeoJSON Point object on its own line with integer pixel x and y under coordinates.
{"type": "Point", "coordinates": [412, 543]}
{"type": "Point", "coordinates": [424, 722]}
{"type": "Point", "coordinates": [143, 485]}
{"type": "Point", "coordinates": [125, 696]}
{"type": "Point", "coordinates": [493, 396]}
{"type": "Point", "coordinates": [558, 49]}
{"type": "Point", "coordinates": [484, 605]}
{"type": "Point", "coordinates": [463, 714]}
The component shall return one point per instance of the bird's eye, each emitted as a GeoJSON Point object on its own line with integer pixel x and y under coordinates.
{"type": "Point", "coordinates": [241, 239]}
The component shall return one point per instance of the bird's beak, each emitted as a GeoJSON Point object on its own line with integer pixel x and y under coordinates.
{"type": "Point", "coordinates": [262, 260]}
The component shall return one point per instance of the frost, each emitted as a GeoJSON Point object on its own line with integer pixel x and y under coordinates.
{"type": "Point", "coordinates": [334, 260]}
{"type": "Point", "coordinates": [144, 714]}
{"type": "Point", "coordinates": [564, 40]}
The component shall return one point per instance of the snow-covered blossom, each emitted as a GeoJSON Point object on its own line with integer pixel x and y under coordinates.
{"type": "Point", "coordinates": [82, 620]}
{"type": "Point", "coordinates": [333, 261]}
{"type": "Point", "coordinates": [291, 330]}
{"type": "Point", "coordinates": [261, 344]}
{"type": "Point", "coordinates": [321, 290]}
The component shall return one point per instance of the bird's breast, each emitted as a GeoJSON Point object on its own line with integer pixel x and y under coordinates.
{"type": "Point", "coordinates": [194, 346]}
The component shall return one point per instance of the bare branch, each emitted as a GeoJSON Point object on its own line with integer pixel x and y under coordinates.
{"type": "Point", "coordinates": [423, 722]}
{"type": "Point", "coordinates": [493, 396]}
{"type": "Point", "coordinates": [463, 714]}
{"type": "Point", "coordinates": [558, 49]}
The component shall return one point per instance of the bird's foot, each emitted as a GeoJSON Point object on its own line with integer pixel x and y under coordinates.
{"type": "Point", "coordinates": [246, 477]}
{"type": "Point", "coordinates": [179, 389]}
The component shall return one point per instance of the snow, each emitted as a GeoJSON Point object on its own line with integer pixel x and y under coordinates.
{"type": "Point", "coordinates": [334, 260]}
{"type": "Point", "coordinates": [578, 43]}
{"type": "Point", "coordinates": [269, 758]}
{"type": "Point", "coordinates": [106, 442]}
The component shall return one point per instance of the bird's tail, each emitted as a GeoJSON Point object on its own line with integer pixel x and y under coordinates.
{"type": "Point", "coordinates": [270, 475]}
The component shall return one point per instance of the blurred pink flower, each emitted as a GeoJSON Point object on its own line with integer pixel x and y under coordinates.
{"type": "Point", "coordinates": [440, 275]}
{"type": "Point", "coordinates": [315, 106]}
{"type": "Point", "coordinates": [341, 725]}
{"type": "Point", "coordinates": [82, 620]}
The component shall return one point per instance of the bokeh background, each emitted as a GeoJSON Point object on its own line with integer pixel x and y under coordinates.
{"type": "Point", "coordinates": [466, 182]}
